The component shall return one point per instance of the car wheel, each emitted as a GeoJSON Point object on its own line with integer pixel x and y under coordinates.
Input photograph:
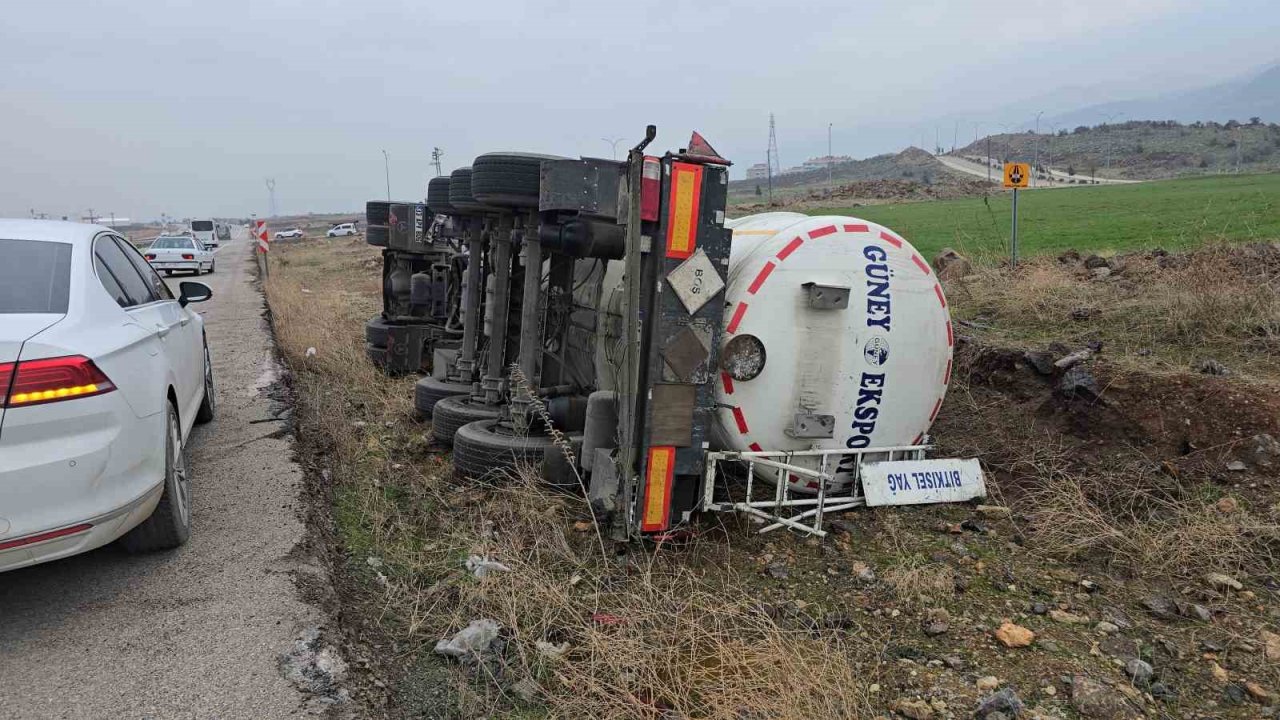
{"type": "Point", "coordinates": [205, 413]}
{"type": "Point", "coordinates": [453, 412]}
{"type": "Point", "coordinates": [428, 391]}
{"type": "Point", "coordinates": [490, 450]}
{"type": "Point", "coordinates": [170, 523]}
{"type": "Point", "coordinates": [212, 265]}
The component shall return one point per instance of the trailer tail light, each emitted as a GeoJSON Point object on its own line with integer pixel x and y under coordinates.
{"type": "Point", "coordinates": [35, 382]}
{"type": "Point", "coordinates": [660, 469]}
{"type": "Point", "coordinates": [682, 218]}
{"type": "Point", "coordinates": [650, 188]}
{"type": "Point", "coordinates": [188, 256]}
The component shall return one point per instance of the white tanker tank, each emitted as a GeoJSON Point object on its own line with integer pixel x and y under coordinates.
{"type": "Point", "coordinates": [836, 335]}
{"type": "Point", "coordinates": [834, 320]}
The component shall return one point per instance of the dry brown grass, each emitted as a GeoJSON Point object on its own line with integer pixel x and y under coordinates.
{"type": "Point", "coordinates": [1222, 302]}
{"type": "Point", "coordinates": [647, 633]}
{"type": "Point", "coordinates": [1146, 523]}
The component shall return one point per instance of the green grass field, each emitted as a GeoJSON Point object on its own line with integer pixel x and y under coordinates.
{"type": "Point", "coordinates": [1104, 219]}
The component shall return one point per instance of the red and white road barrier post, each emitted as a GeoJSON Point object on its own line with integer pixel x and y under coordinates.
{"type": "Point", "coordinates": [264, 245]}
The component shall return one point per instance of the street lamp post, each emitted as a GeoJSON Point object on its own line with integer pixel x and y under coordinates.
{"type": "Point", "coordinates": [613, 145]}
{"type": "Point", "coordinates": [386, 166]}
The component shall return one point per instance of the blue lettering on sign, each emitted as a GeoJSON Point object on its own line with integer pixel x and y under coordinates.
{"type": "Point", "coordinates": [926, 480]}
{"type": "Point", "coordinates": [878, 275]}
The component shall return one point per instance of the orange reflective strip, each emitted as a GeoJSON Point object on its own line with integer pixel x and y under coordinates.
{"type": "Point", "coordinates": [682, 213]}
{"type": "Point", "coordinates": [659, 471]}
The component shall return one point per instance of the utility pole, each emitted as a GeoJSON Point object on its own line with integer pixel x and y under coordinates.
{"type": "Point", "coordinates": [772, 155]}
{"type": "Point", "coordinates": [988, 158]}
{"type": "Point", "coordinates": [1110, 139]}
{"type": "Point", "coordinates": [1035, 154]}
{"type": "Point", "coordinates": [937, 141]}
{"type": "Point", "coordinates": [436, 154]}
{"type": "Point", "coordinates": [613, 144]}
{"type": "Point", "coordinates": [831, 160]}
{"type": "Point", "coordinates": [386, 164]}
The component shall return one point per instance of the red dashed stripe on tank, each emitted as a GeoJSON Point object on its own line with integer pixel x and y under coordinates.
{"type": "Point", "coordinates": [891, 240]}
{"type": "Point", "coordinates": [737, 318]}
{"type": "Point", "coordinates": [920, 263]}
{"type": "Point", "coordinates": [740, 420]}
{"type": "Point", "coordinates": [942, 300]}
{"type": "Point", "coordinates": [790, 247]}
{"type": "Point", "coordinates": [727, 381]}
{"type": "Point", "coordinates": [761, 277]}
{"type": "Point", "coordinates": [822, 232]}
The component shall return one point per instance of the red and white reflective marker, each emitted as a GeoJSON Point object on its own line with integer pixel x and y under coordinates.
{"type": "Point", "coordinates": [261, 232]}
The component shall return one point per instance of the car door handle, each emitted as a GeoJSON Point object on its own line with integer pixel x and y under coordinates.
{"type": "Point", "coordinates": [184, 321]}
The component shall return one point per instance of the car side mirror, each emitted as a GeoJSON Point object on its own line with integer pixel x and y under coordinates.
{"type": "Point", "coordinates": [191, 291]}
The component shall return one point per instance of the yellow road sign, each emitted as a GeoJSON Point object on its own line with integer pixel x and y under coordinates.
{"type": "Point", "coordinates": [1017, 175]}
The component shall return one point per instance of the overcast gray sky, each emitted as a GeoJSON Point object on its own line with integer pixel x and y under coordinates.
{"type": "Point", "coordinates": [185, 107]}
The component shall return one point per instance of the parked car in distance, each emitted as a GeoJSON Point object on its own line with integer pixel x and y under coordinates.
{"type": "Point", "coordinates": [179, 252]}
{"type": "Point", "coordinates": [103, 374]}
{"type": "Point", "coordinates": [206, 232]}
{"type": "Point", "coordinates": [290, 233]}
{"type": "Point", "coordinates": [342, 230]}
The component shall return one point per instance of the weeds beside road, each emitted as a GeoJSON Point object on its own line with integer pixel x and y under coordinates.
{"type": "Point", "coordinates": [1118, 506]}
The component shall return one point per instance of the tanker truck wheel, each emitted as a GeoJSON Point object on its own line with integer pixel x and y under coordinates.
{"type": "Point", "coordinates": [438, 196]}
{"type": "Point", "coordinates": [428, 391]}
{"type": "Point", "coordinates": [376, 215]}
{"type": "Point", "coordinates": [508, 179]}
{"type": "Point", "coordinates": [486, 448]}
{"type": "Point", "coordinates": [375, 331]}
{"type": "Point", "coordinates": [558, 474]}
{"type": "Point", "coordinates": [455, 411]}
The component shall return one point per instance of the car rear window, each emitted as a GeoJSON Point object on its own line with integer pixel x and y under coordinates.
{"type": "Point", "coordinates": [171, 243]}
{"type": "Point", "coordinates": [202, 225]}
{"type": "Point", "coordinates": [35, 276]}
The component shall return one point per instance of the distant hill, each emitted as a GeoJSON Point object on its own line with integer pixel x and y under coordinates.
{"type": "Point", "coordinates": [910, 164]}
{"type": "Point", "coordinates": [1254, 95]}
{"type": "Point", "coordinates": [1144, 149]}
{"type": "Point", "coordinates": [912, 174]}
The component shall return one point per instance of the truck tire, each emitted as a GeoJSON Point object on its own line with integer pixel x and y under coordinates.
{"type": "Point", "coordinates": [428, 391]}
{"type": "Point", "coordinates": [557, 473]}
{"type": "Point", "coordinates": [455, 411]}
{"type": "Point", "coordinates": [487, 449]}
{"type": "Point", "coordinates": [375, 331]}
{"type": "Point", "coordinates": [376, 214]}
{"type": "Point", "coordinates": [508, 179]}
{"type": "Point", "coordinates": [438, 196]}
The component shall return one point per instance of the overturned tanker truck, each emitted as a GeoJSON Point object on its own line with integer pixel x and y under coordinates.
{"type": "Point", "coordinates": [606, 324]}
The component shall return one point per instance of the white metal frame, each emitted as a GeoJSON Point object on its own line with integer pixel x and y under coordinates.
{"type": "Point", "coordinates": [782, 509]}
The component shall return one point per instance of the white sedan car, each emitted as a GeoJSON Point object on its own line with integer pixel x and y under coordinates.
{"type": "Point", "coordinates": [172, 253]}
{"type": "Point", "coordinates": [103, 373]}
{"type": "Point", "coordinates": [290, 233]}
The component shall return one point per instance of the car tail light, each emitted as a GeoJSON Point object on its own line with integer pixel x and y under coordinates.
{"type": "Point", "coordinates": [650, 188]}
{"type": "Point", "coordinates": [35, 382]}
{"type": "Point", "coordinates": [188, 256]}
{"type": "Point", "coordinates": [150, 256]}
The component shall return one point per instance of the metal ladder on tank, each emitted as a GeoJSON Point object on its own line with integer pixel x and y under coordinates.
{"type": "Point", "coordinates": [798, 511]}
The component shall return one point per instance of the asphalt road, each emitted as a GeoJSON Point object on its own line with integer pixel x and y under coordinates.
{"type": "Point", "coordinates": [197, 632]}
